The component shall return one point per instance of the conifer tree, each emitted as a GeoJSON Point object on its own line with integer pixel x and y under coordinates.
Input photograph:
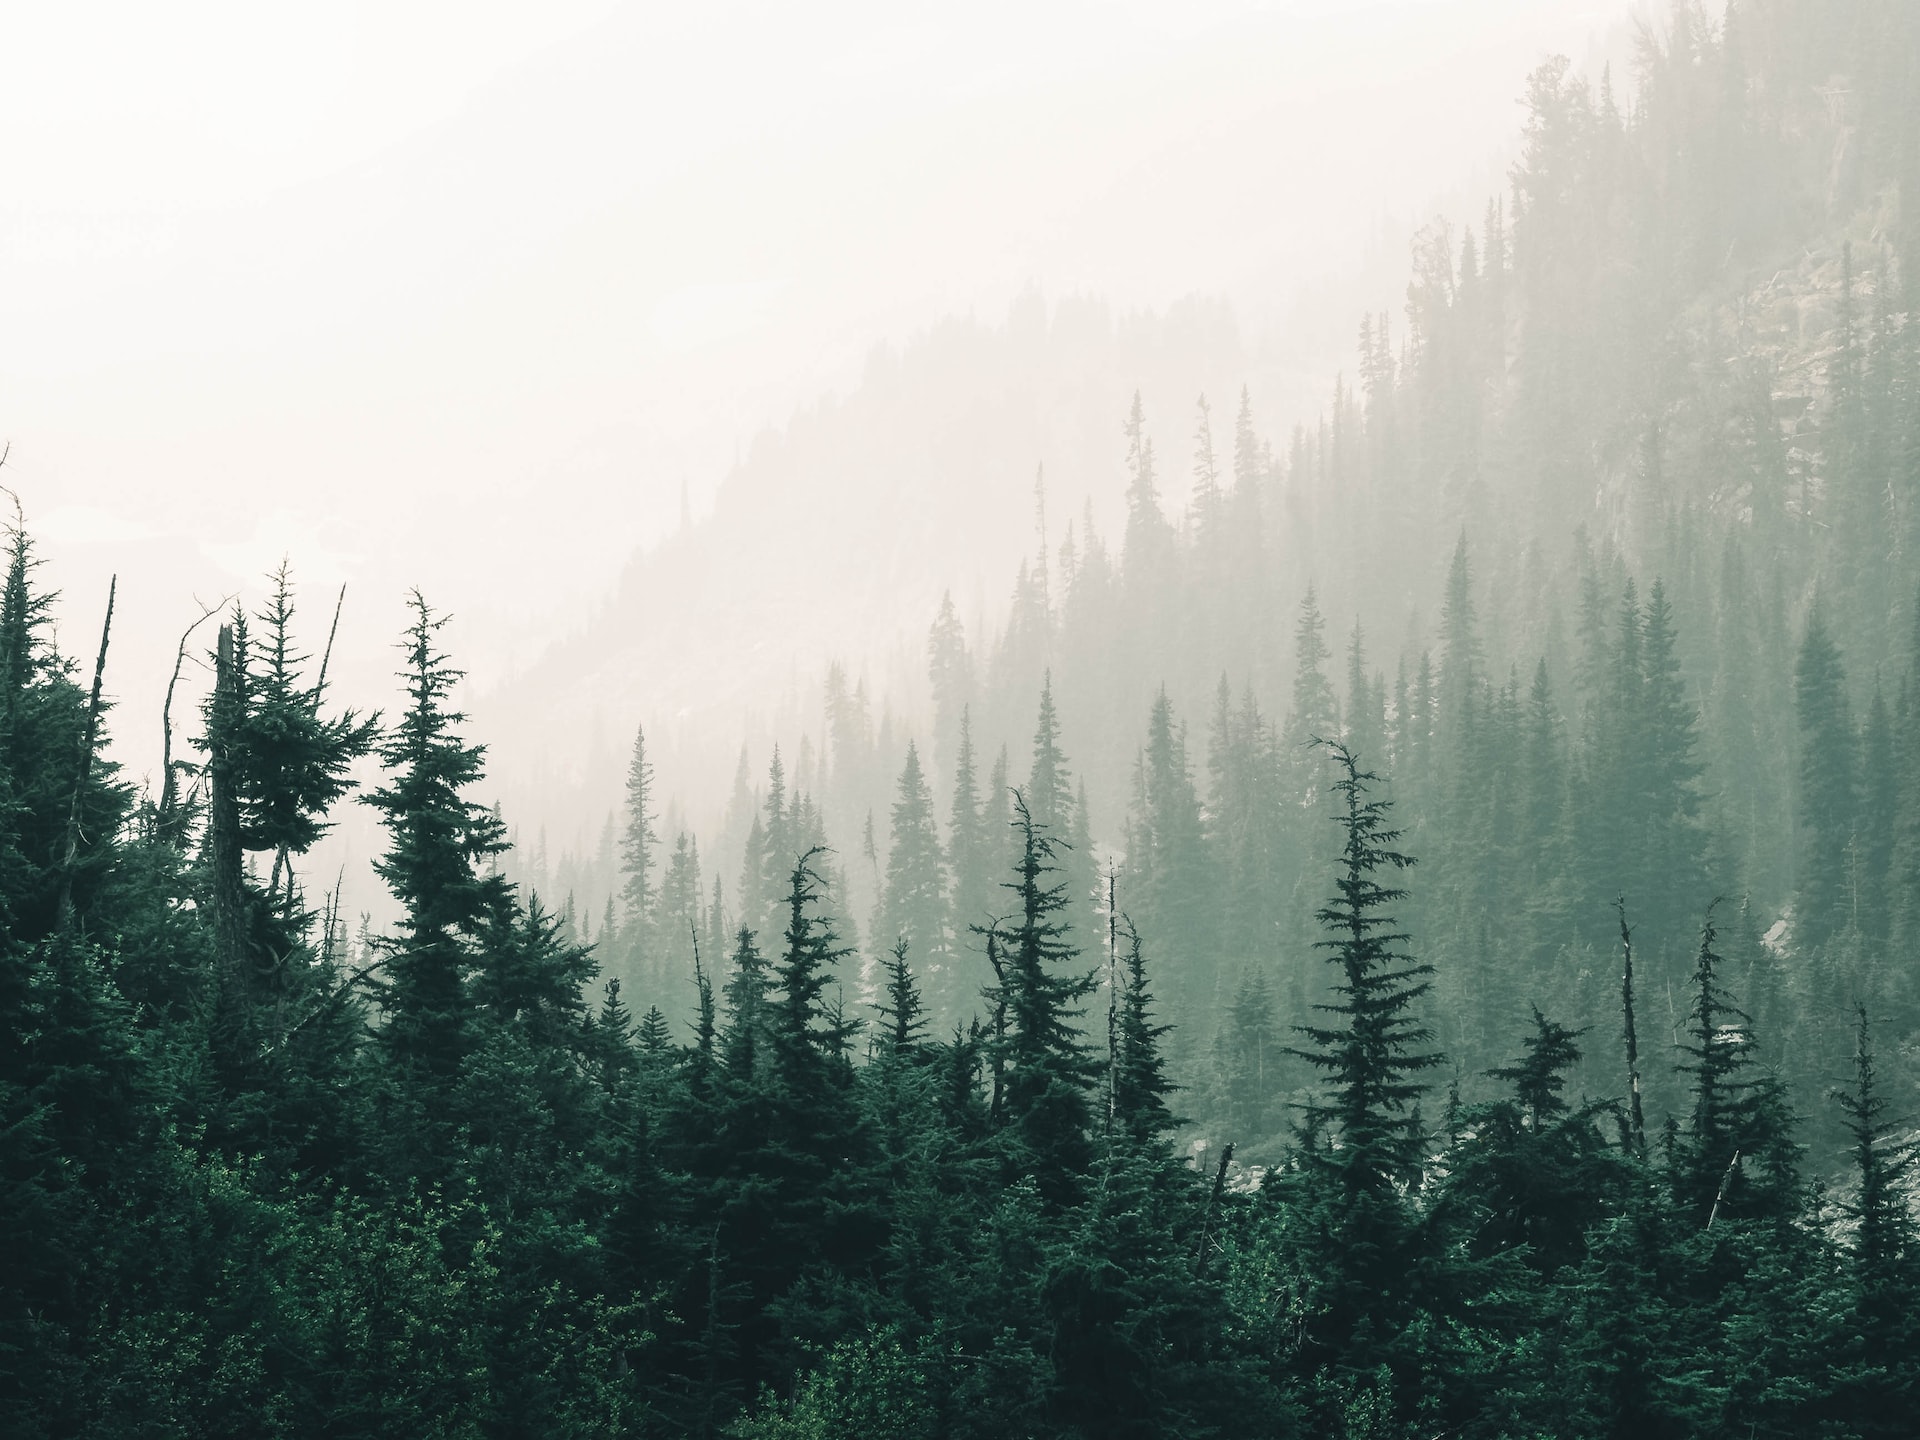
{"type": "Point", "coordinates": [903, 1024]}
{"type": "Point", "coordinates": [1828, 787]}
{"type": "Point", "coordinates": [293, 762]}
{"type": "Point", "coordinates": [1903, 878]}
{"type": "Point", "coordinates": [638, 841]}
{"type": "Point", "coordinates": [1140, 1083]}
{"type": "Point", "coordinates": [913, 904]}
{"type": "Point", "coordinates": [1736, 1157]}
{"type": "Point", "coordinates": [1147, 548]}
{"type": "Point", "coordinates": [950, 670]}
{"type": "Point", "coordinates": [437, 839]}
{"type": "Point", "coordinates": [1315, 713]}
{"type": "Point", "coordinates": [1460, 655]}
{"type": "Point", "coordinates": [975, 843]}
{"type": "Point", "coordinates": [1371, 1050]}
{"type": "Point", "coordinates": [1168, 854]}
{"type": "Point", "coordinates": [1058, 809]}
{"type": "Point", "coordinates": [1885, 1248]}
{"type": "Point", "coordinates": [1877, 825]}
{"type": "Point", "coordinates": [1251, 1060]}
{"type": "Point", "coordinates": [1045, 1109]}
{"type": "Point", "coordinates": [1672, 843]}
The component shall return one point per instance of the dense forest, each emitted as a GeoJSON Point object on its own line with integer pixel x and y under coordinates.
{"type": "Point", "coordinates": [1421, 942]}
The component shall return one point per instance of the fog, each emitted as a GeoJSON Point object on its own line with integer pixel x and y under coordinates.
{"type": "Point", "coordinates": [1112, 720]}
{"type": "Point", "coordinates": [482, 299]}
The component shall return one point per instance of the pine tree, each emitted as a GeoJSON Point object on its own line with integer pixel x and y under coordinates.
{"type": "Point", "coordinates": [1673, 843]}
{"type": "Point", "coordinates": [1877, 825]}
{"type": "Point", "coordinates": [1371, 1055]}
{"type": "Point", "coordinates": [1148, 545]}
{"type": "Point", "coordinates": [1903, 877]}
{"type": "Point", "coordinates": [1460, 655]}
{"type": "Point", "coordinates": [1059, 809]}
{"type": "Point", "coordinates": [1736, 1158]}
{"type": "Point", "coordinates": [950, 670]}
{"type": "Point", "coordinates": [1361, 1138]}
{"type": "Point", "coordinates": [293, 763]}
{"type": "Point", "coordinates": [1139, 1080]}
{"type": "Point", "coordinates": [1315, 713]}
{"type": "Point", "coordinates": [638, 841]}
{"type": "Point", "coordinates": [1828, 787]}
{"type": "Point", "coordinates": [974, 843]}
{"type": "Point", "coordinates": [1168, 854]}
{"type": "Point", "coordinates": [1045, 1111]}
{"type": "Point", "coordinates": [1371, 1052]}
{"type": "Point", "coordinates": [1251, 1061]}
{"type": "Point", "coordinates": [1531, 1171]}
{"type": "Point", "coordinates": [913, 904]}
{"type": "Point", "coordinates": [437, 840]}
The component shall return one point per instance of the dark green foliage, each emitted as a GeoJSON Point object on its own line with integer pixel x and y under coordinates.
{"type": "Point", "coordinates": [438, 837]}
{"type": "Point", "coordinates": [913, 902]}
{"type": "Point", "coordinates": [1139, 1082]}
{"type": "Point", "coordinates": [261, 1178]}
{"type": "Point", "coordinates": [1735, 1157]}
{"type": "Point", "coordinates": [1041, 1059]}
{"type": "Point", "coordinates": [1364, 1123]}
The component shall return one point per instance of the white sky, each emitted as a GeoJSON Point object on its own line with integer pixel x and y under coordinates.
{"type": "Point", "coordinates": [462, 295]}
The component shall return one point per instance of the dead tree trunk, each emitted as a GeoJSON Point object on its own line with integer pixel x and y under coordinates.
{"type": "Point", "coordinates": [83, 770]}
{"type": "Point", "coordinates": [225, 893]}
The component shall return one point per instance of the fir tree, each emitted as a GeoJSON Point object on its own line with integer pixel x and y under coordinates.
{"type": "Point", "coordinates": [437, 839]}
{"type": "Point", "coordinates": [638, 840]}
{"type": "Point", "coordinates": [1828, 781]}
{"type": "Point", "coordinates": [1045, 1109]}
{"type": "Point", "coordinates": [1168, 852]}
{"type": "Point", "coordinates": [1736, 1157]}
{"type": "Point", "coordinates": [913, 904]}
{"type": "Point", "coordinates": [1371, 1053]}
{"type": "Point", "coordinates": [1138, 1076]}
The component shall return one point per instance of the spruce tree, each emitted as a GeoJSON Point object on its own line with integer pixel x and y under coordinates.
{"type": "Point", "coordinates": [1903, 878]}
{"type": "Point", "coordinates": [1736, 1157]}
{"type": "Point", "coordinates": [1371, 1052]}
{"type": "Point", "coordinates": [638, 841]}
{"type": "Point", "coordinates": [913, 902]}
{"type": "Point", "coordinates": [1828, 798]}
{"type": "Point", "coordinates": [293, 762]}
{"type": "Point", "coordinates": [1045, 1111]}
{"type": "Point", "coordinates": [1059, 809]}
{"type": "Point", "coordinates": [1138, 1077]}
{"type": "Point", "coordinates": [438, 839]}
{"type": "Point", "coordinates": [1168, 853]}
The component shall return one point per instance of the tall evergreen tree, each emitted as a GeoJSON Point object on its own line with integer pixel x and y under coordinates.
{"type": "Point", "coordinates": [438, 839]}
{"type": "Point", "coordinates": [1168, 853]}
{"type": "Point", "coordinates": [1736, 1157]}
{"type": "Point", "coordinates": [1048, 1073]}
{"type": "Point", "coordinates": [1828, 787]}
{"type": "Point", "coordinates": [1371, 1050]}
{"type": "Point", "coordinates": [913, 903]}
{"type": "Point", "coordinates": [638, 842]}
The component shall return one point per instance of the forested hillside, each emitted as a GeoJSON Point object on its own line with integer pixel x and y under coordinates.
{"type": "Point", "coordinates": [1419, 941]}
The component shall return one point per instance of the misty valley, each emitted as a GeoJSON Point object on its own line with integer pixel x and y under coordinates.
{"type": "Point", "coordinates": [1402, 925]}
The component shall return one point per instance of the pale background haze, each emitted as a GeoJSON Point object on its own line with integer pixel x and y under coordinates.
{"type": "Point", "coordinates": [469, 297]}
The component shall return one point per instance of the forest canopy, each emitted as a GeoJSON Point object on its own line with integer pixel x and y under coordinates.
{"type": "Point", "coordinates": [1227, 1017]}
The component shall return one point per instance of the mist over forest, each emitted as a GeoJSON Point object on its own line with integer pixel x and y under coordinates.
{"type": "Point", "coordinates": [1106, 879]}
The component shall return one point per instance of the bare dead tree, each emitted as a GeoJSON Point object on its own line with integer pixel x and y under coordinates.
{"type": "Point", "coordinates": [83, 771]}
{"type": "Point", "coordinates": [1636, 1121]}
{"type": "Point", "coordinates": [326, 655]}
{"type": "Point", "coordinates": [1213, 1204]}
{"type": "Point", "coordinates": [169, 783]}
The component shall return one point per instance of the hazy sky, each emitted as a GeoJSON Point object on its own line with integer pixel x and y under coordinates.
{"type": "Point", "coordinates": [462, 295]}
